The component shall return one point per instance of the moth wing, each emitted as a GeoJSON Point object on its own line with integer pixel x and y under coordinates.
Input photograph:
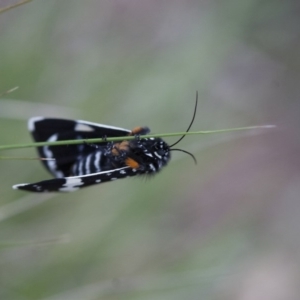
{"type": "Point", "coordinates": [52, 129]}
{"type": "Point", "coordinates": [43, 128]}
{"type": "Point", "coordinates": [71, 184]}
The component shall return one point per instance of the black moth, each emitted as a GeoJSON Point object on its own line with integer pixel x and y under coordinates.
{"type": "Point", "coordinates": [78, 166]}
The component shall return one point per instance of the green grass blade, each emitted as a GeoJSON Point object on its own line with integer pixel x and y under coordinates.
{"type": "Point", "coordinates": [118, 139]}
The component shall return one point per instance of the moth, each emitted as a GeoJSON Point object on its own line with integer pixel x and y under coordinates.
{"type": "Point", "coordinates": [78, 166]}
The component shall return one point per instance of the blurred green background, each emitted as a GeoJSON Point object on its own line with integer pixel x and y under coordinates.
{"type": "Point", "coordinates": [227, 228]}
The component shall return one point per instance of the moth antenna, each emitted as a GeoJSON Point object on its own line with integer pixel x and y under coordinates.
{"type": "Point", "coordinates": [194, 115]}
{"type": "Point", "coordinates": [190, 154]}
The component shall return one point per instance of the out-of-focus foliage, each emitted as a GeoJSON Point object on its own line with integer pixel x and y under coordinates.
{"type": "Point", "coordinates": [227, 228]}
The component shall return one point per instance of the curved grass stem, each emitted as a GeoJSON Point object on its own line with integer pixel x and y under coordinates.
{"type": "Point", "coordinates": [4, 9]}
{"type": "Point", "coordinates": [122, 138]}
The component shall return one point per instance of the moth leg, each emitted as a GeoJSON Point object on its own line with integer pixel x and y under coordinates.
{"type": "Point", "coordinates": [104, 139]}
{"type": "Point", "coordinates": [91, 145]}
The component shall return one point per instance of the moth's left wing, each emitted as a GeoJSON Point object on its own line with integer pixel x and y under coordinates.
{"type": "Point", "coordinates": [71, 184]}
{"type": "Point", "coordinates": [52, 130]}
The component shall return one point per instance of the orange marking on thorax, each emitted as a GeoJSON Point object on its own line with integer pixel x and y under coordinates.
{"type": "Point", "coordinates": [131, 163]}
{"type": "Point", "coordinates": [137, 130]}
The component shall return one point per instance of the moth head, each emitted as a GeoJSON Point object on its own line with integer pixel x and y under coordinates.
{"type": "Point", "coordinates": [151, 153]}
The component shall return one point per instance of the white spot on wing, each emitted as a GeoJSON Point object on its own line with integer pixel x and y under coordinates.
{"type": "Point", "coordinates": [97, 160]}
{"type": "Point", "coordinates": [86, 123]}
{"type": "Point", "coordinates": [37, 187]}
{"type": "Point", "coordinates": [99, 173]}
{"type": "Point", "coordinates": [71, 184]}
{"type": "Point", "coordinates": [31, 123]}
{"type": "Point", "coordinates": [16, 186]}
{"type": "Point", "coordinates": [83, 127]}
{"type": "Point", "coordinates": [87, 164]}
{"type": "Point", "coordinates": [52, 163]}
{"type": "Point", "coordinates": [80, 167]}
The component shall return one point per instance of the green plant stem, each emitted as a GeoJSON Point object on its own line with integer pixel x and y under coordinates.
{"type": "Point", "coordinates": [9, 91]}
{"type": "Point", "coordinates": [23, 158]}
{"type": "Point", "coordinates": [14, 5]}
{"type": "Point", "coordinates": [118, 139]}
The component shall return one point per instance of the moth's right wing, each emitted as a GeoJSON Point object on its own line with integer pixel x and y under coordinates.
{"type": "Point", "coordinates": [71, 184]}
